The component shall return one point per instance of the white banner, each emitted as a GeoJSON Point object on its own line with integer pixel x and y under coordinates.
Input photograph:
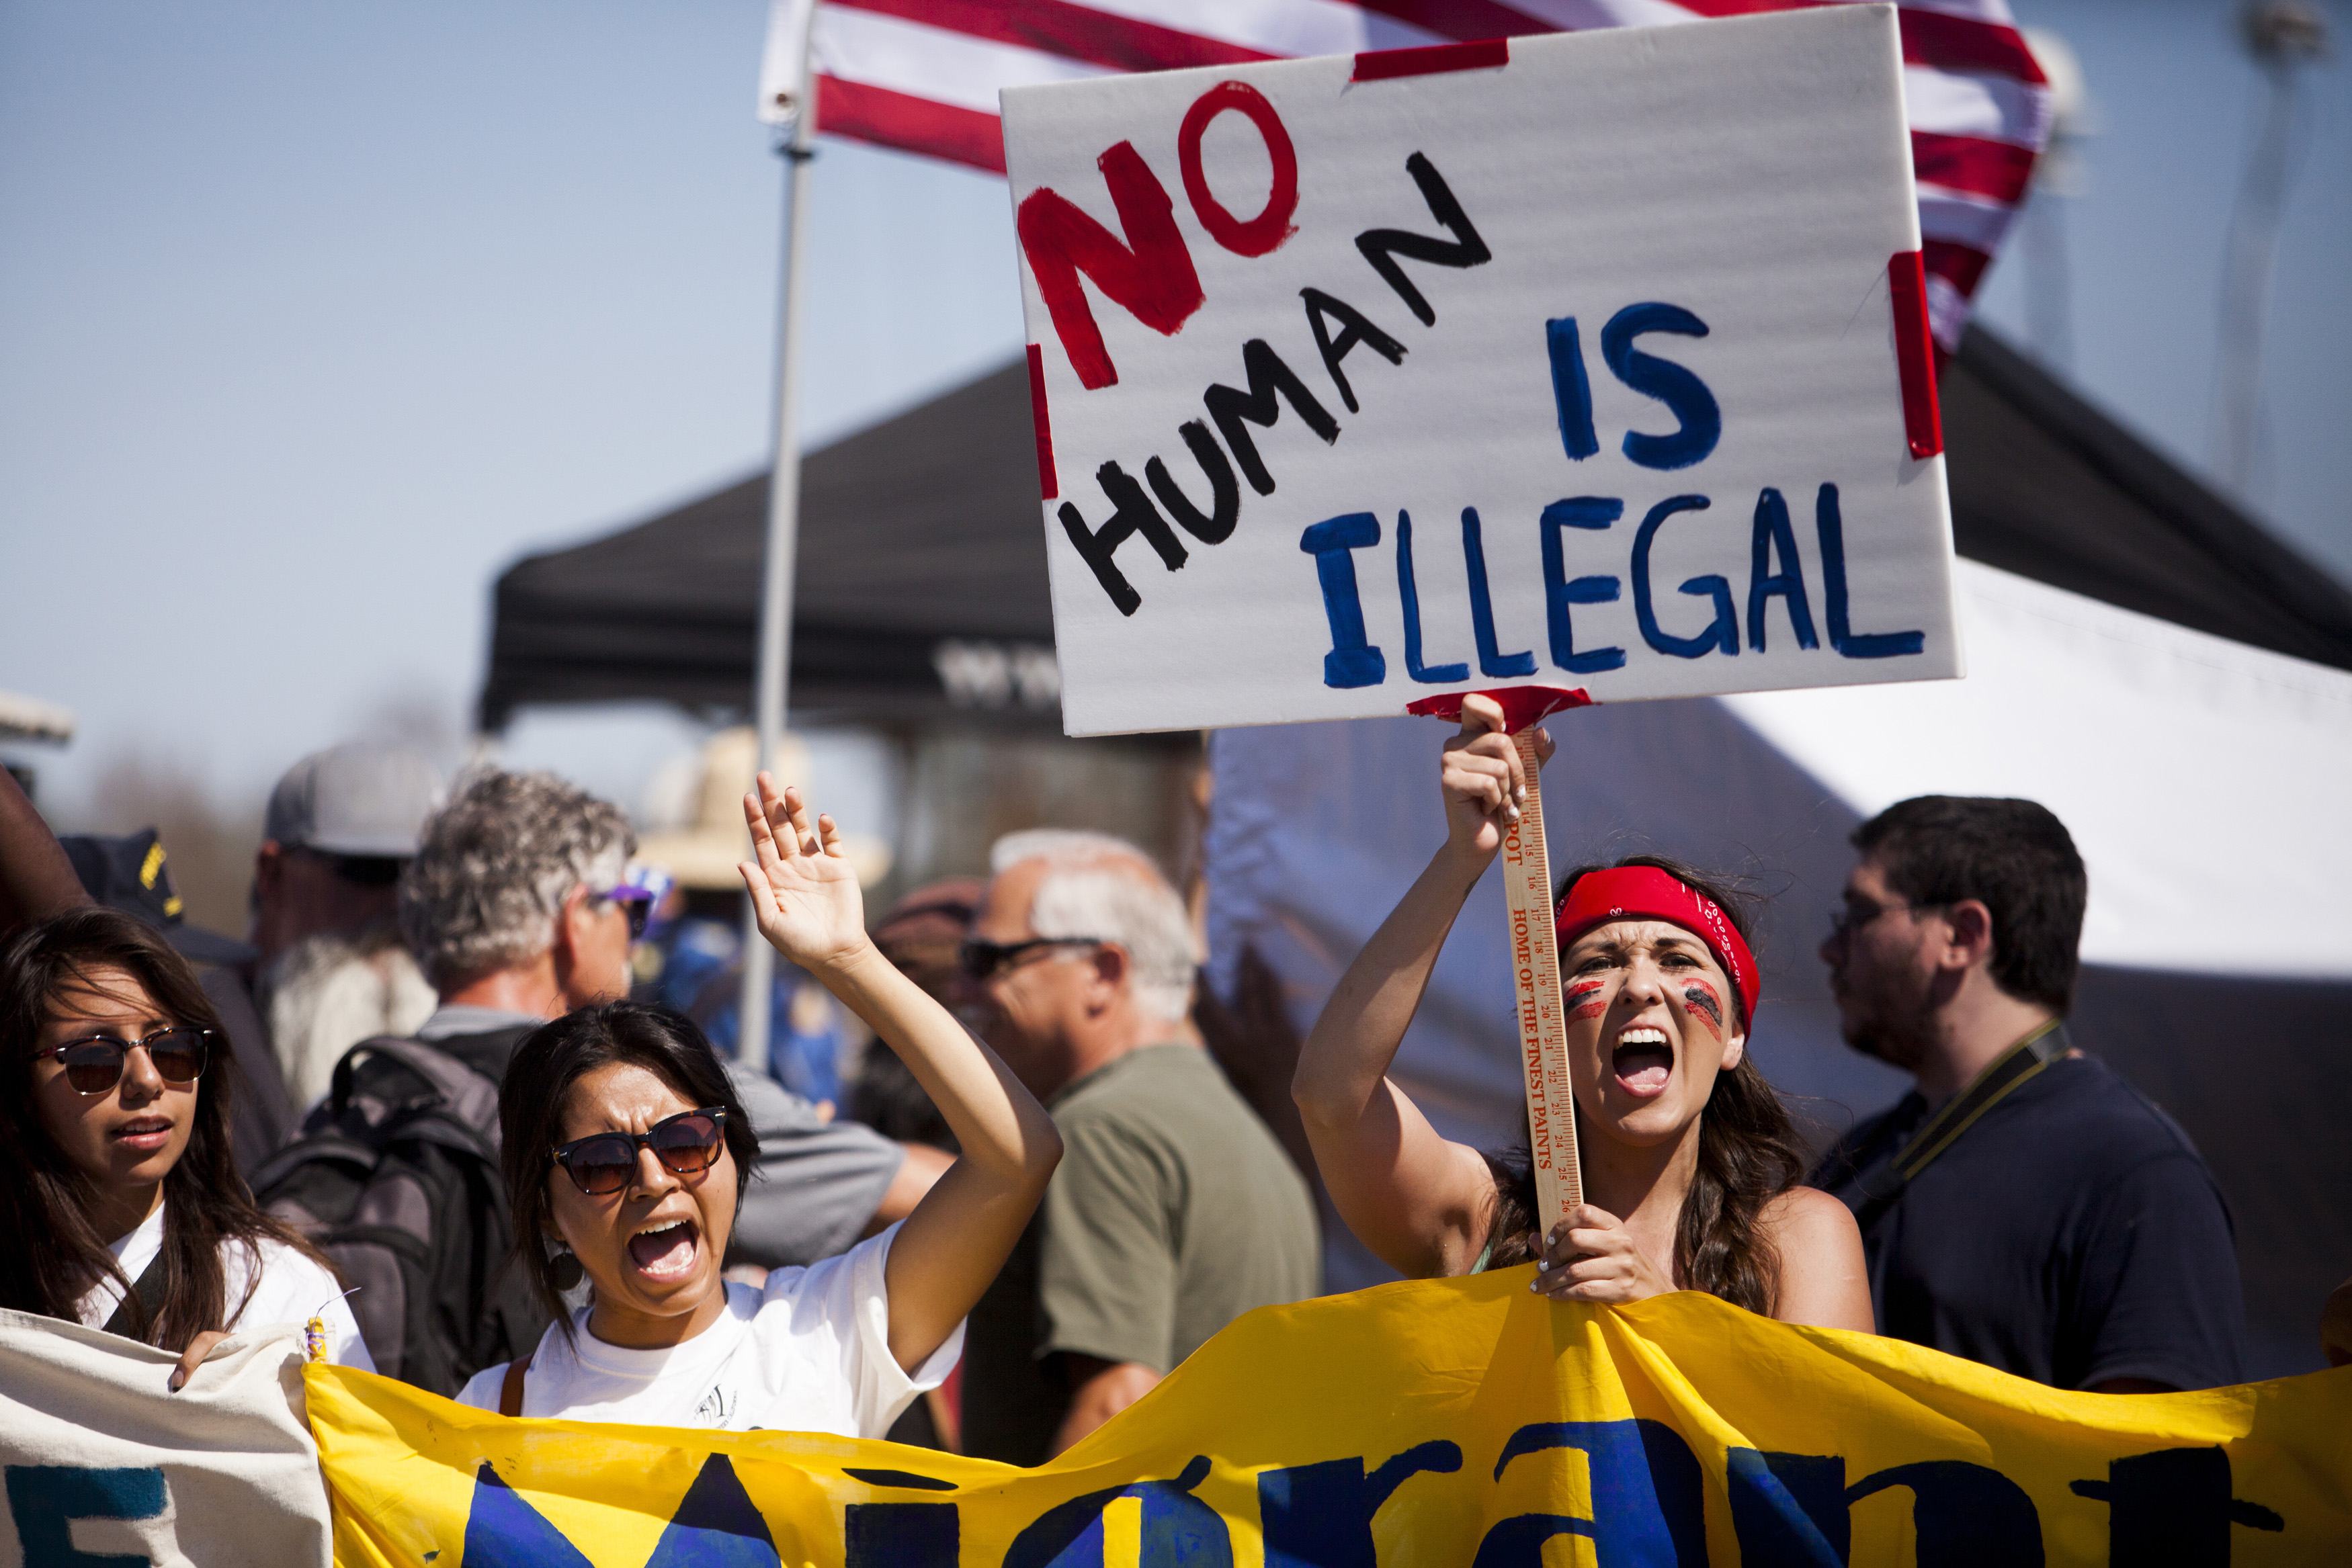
{"type": "Point", "coordinates": [1572, 360]}
{"type": "Point", "coordinates": [103, 1464]}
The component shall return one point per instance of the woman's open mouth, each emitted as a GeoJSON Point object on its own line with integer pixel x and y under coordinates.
{"type": "Point", "coordinates": [1643, 1061]}
{"type": "Point", "coordinates": [145, 1134]}
{"type": "Point", "coordinates": [667, 1250]}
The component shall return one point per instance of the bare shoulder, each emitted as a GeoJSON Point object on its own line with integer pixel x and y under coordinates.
{"type": "Point", "coordinates": [1805, 1216]}
{"type": "Point", "coordinates": [1823, 1278]}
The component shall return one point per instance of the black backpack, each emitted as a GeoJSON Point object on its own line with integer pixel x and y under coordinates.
{"type": "Point", "coordinates": [396, 1178]}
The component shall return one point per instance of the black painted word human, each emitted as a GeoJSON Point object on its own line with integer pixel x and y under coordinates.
{"type": "Point", "coordinates": [1151, 276]}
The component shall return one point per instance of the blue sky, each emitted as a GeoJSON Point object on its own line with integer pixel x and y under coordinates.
{"type": "Point", "coordinates": [314, 317]}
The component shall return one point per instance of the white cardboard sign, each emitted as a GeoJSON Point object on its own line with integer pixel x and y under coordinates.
{"type": "Point", "coordinates": [1577, 362]}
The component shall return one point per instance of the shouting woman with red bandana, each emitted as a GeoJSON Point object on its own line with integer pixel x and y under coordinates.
{"type": "Point", "coordinates": [1690, 1162]}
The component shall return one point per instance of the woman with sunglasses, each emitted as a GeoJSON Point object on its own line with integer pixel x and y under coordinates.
{"type": "Point", "coordinates": [1690, 1162]}
{"type": "Point", "coordinates": [625, 1152]}
{"type": "Point", "coordinates": [119, 1205]}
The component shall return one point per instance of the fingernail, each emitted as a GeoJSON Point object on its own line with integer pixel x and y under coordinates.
{"type": "Point", "coordinates": [177, 1379]}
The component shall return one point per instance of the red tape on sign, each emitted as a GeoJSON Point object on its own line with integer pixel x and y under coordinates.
{"type": "Point", "coordinates": [1048, 485]}
{"type": "Point", "coordinates": [1386, 65]}
{"type": "Point", "coordinates": [1915, 352]}
{"type": "Point", "coordinates": [1522, 705]}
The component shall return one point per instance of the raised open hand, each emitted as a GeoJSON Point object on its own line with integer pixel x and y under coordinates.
{"type": "Point", "coordinates": [803, 892]}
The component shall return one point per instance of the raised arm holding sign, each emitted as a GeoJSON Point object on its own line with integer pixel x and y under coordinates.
{"type": "Point", "coordinates": [1595, 363]}
{"type": "Point", "coordinates": [1687, 1159]}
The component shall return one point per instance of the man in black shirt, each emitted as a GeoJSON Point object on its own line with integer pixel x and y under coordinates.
{"type": "Point", "coordinates": [2022, 1207]}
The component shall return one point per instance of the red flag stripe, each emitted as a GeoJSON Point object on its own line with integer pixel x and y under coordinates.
{"type": "Point", "coordinates": [1958, 265]}
{"type": "Point", "coordinates": [1938, 39]}
{"type": "Point", "coordinates": [1072, 31]}
{"type": "Point", "coordinates": [1466, 21]}
{"type": "Point", "coordinates": [1999, 170]}
{"type": "Point", "coordinates": [1951, 43]}
{"type": "Point", "coordinates": [911, 124]}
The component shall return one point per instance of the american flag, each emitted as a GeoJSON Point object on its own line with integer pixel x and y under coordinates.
{"type": "Point", "coordinates": [923, 74]}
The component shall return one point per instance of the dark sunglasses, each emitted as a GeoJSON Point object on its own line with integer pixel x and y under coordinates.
{"type": "Point", "coordinates": [687, 1145]}
{"type": "Point", "coordinates": [94, 1064]}
{"type": "Point", "coordinates": [1854, 914]}
{"type": "Point", "coordinates": [980, 960]}
{"type": "Point", "coordinates": [637, 903]}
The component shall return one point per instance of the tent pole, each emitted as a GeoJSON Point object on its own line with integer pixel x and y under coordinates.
{"type": "Point", "coordinates": [784, 540]}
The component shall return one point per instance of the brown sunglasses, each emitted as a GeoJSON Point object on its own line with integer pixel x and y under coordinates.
{"type": "Point", "coordinates": [93, 1064]}
{"type": "Point", "coordinates": [688, 1143]}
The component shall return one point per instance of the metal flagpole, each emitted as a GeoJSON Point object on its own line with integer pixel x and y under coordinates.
{"type": "Point", "coordinates": [783, 541]}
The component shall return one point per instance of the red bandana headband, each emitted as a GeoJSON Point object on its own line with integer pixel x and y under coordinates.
{"type": "Point", "coordinates": [1645, 892]}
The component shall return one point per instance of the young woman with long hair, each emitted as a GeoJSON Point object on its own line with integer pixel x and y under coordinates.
{"type": "Point", "coordinates": [626, 1155]}
{"type": "Point", "coordinates": [120, 1207]}
{"type": "Point", "coordinates": [1690, 1162]}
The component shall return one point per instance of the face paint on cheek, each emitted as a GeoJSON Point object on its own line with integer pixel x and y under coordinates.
{"type": "Point", "coordinates": [1701, 1002]}
{"type": "Point", "coordinates": [1585, 999]}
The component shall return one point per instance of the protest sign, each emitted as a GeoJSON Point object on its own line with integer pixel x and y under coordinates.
{"type": "Point", "coordinates": [104, 1466]}
{"type": "Point", "coordinates": [1447, 1421]}
{"type": "Point", "coordinates": [1594, 360]}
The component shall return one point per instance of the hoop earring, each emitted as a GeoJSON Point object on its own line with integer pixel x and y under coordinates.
{"type": "Point", "coordinates": [564, 1271]}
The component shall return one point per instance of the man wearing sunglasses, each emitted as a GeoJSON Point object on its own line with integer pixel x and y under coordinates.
{"type": "Point", "coordinates": [2024, 1206]}
{"type": "Point", "coordinates": [1174, 1209]}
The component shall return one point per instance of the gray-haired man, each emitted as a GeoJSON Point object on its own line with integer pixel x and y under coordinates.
{"type": "Point", "coordinates": [1174, 1211]}
{"type": "Point", "coordinates": [517, 906]}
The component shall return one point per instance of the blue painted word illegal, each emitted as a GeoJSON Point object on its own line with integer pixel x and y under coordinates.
{"type": "Point", "coordinates": [1775, 569]}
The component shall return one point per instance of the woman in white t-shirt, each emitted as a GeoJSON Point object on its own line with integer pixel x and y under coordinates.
{"type": "Point", "coordinates": [120, 1206]}
{"type": "Point", "coordinates": [624, 1151]}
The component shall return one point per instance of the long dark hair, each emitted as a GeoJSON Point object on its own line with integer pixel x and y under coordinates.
{"type": "Point", "coordinates": [51, 1256]}
{"type": "Point", "coordinates": [1749, 1154]}
{"type": "Point", "coordinates": [554, 1057]}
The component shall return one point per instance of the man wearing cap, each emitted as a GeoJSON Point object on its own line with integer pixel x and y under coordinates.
{"type": "Point", "coordinates": [341, 823]}
{"type": "Point", "coordinates": [331, 969]}
{"type": "Point", "coordinates": [2022, 1207]}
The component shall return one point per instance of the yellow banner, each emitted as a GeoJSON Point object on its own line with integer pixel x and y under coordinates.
{"type": "Point", "coordinates": [1456, 1421]}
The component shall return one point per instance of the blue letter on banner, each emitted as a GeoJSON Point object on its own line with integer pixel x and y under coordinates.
{"type": "Point", "coordinates": [1409, 592]}
{"type": "Point", "coordinates": [1352, 661]}
{"type": "Point", "coordinates": [1685, 395]}
{"type": "Point", "coordinates": [1577, 512]}
{"type": "Point", "coordinates": [1722, 634]}
{"type": "Point", "coordinates": [1843, 637]}
{"type": "Point", "coordinates": [1492, 660]}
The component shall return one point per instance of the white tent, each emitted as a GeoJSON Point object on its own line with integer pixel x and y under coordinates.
{"type": "Point", "coordinates": [2204, 779]}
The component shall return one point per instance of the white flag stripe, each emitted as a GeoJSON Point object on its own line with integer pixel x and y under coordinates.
{"type": "Point", "coordinates": [1999, 108]}
{"type": "Point", "coordinates": [1947, 312]}
{"type": "Point", "coordinates": [929, 62]}
{"type": "Point", "coordinates": [1584, 15]}
{"type": "Point", "coordinates": [1281, 28]}
{"type": "Point", "coordinates": [1963, 219]}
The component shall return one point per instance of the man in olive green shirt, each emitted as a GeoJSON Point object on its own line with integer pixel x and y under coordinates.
{"type": "Point", "coordinates": [1173, 1211]}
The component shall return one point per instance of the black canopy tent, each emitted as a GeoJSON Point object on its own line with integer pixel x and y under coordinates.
{"type": "Point", "coordinates": [917, 532]}
{"type": "Point", "coordinates": [922, 592]}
